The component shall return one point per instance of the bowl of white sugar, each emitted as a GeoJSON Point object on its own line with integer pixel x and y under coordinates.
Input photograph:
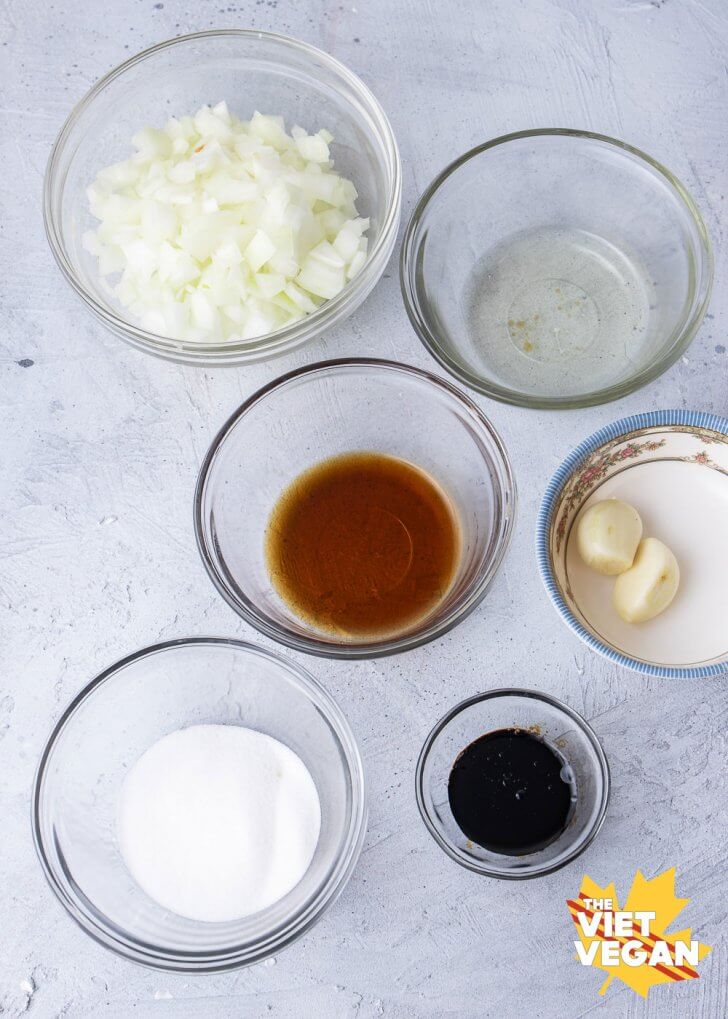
{"type": "Point", "coordinates": [199, 805]}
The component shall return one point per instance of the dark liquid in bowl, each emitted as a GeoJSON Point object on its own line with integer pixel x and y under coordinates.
{"type": "Point", "coordinates": [510, 792]}
{"type": "Point", "coordinates": [363, 545]}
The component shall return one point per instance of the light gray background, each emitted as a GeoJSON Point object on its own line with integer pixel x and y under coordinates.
{"type": "Point", "coordinates": [100, 450]}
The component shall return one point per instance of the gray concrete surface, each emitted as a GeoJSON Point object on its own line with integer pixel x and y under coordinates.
{"type": "Point", "coordinates": [100, 449]}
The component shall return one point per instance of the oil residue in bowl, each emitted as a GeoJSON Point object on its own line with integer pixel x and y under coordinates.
{"type": "Point", "coordinates": [511, 792]}
{"type": "Point", "coordinates": [556, 312]}
{"type": "Point", "coordinates": [363, 545]}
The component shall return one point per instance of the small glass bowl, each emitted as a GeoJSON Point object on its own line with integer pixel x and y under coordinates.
{"type": "Point", "coordinates": [106, 729]}
{"type": "Point", "coordinates": [558, 725]}
{"type": "Point", "coordinates": [338, 407]}
{"type": "Point", "coordinates": [251, 70]}
{"type": "Point", "coordinates": [556, 268]}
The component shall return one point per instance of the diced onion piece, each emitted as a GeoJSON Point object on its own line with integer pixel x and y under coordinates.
{"type": "Point", "coordinates": [321, 279]}
{"type": "Point", "coordinates": [356, 264]}
{"type": "Point", "coordinates": [300, 298]}
{"type": "Point", "coordinates": [269, 284]}
{"type": "Point", "coordinates": [220, 229]}
{"type": "Point", "coordinates": [328, 255]}
{"type": "Point", "coordinates": [312, 147]}
{"type": "Point", "coordinates": [152, 144]}
{"type": "Point", "coordinates": [259, 250]}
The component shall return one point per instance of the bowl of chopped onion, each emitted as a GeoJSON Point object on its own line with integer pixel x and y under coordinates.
{"type": "Point", "coordinates": [224, 197]}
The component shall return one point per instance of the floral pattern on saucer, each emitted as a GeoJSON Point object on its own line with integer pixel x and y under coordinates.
{"type": "Point", "coordinates": [596, 469]}
{"type": "Point", "coordinates": [600, 465]}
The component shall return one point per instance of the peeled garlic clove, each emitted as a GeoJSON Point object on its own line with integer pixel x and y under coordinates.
{"type": "Point", "coordinates": [648, 587]}
{"type": "Point", "coordinates": [608, 535]}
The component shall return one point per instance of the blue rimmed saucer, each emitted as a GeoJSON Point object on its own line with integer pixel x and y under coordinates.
{"type": "Point", "coordinates": [672, 466]}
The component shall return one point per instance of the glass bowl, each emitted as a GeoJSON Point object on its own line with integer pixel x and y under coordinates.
{"type": "Point", "coordinates": [106, 729]}
{"type": "Point", "coordinates": [252, 70]}
{"type": "Point", "coordinates": [339, 407]}
{"type": "Point", "coordinates": [567, 733]}
{"type": "Point", "coordinates": [556, 268]}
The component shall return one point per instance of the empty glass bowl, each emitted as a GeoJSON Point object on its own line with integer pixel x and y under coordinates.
{"type": "Point", "coordinates": [556, 268]}
{"type": "Point", "coordinates": [251, 71]}
{"type": "Point", "coordinates": [566, 731]}
{"type": "Point", "coordinates": [109, 726]}
{"type": "Point", "coordinates": [342, 407]}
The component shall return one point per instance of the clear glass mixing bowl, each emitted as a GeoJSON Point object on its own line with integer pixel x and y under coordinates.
{"type": "Point", "coordinates": [109, 726]}
{"type": "Point", "coordinates": [558, 725]}
{"type": "Point", "coordinates": [556, 268]}
{"type": "Point", "coordinates": [342, 407]}
{"type": "Point", "coordinates": [250, 70]}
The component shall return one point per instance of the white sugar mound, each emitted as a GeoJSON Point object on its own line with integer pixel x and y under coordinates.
{"type": "Point", "coordinates": [217, 822]}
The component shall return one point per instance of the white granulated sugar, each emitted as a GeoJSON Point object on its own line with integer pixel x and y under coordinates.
{"type": "Point", "coordinates": [217, 822]}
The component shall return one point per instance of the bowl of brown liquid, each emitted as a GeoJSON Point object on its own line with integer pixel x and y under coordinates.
{"type": "Point", "coordinates": [355, 508]}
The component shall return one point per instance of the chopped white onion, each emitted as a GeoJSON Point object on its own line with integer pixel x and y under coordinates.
{"type": "Point", "coordinates": [223, 229]}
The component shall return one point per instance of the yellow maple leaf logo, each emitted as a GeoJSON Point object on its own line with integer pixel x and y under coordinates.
{"type": "Point", "coordinates": [631, 944]}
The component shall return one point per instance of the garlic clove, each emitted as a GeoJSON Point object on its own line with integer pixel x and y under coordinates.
{"type": "Point", "coordinates": [608, 535]}
{"type": "Point", "coordinates": [647, 588]}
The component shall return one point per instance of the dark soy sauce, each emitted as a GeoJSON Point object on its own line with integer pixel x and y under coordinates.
{"type": "Point", "coordinates": [363, 544]}
{"type": "Point", "coordinates": [510, 792]}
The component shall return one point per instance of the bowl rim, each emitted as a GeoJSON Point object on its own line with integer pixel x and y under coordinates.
{"type": "Point", "coordinates": [396, 645]}
{"type": "Point", "coordinates": [290, 929]}
{"type": "Point", "coordinates": [681, 336]}
{"type": "Point", "coordinates": [530, 694]}
{"type": "Point", "coordinates": [636, 422]}
{"type": "Point", "coordinates": [282, 340]}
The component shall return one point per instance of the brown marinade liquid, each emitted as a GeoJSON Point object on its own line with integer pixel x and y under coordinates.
{"type": "Point", "coordinates": [363, 545]}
